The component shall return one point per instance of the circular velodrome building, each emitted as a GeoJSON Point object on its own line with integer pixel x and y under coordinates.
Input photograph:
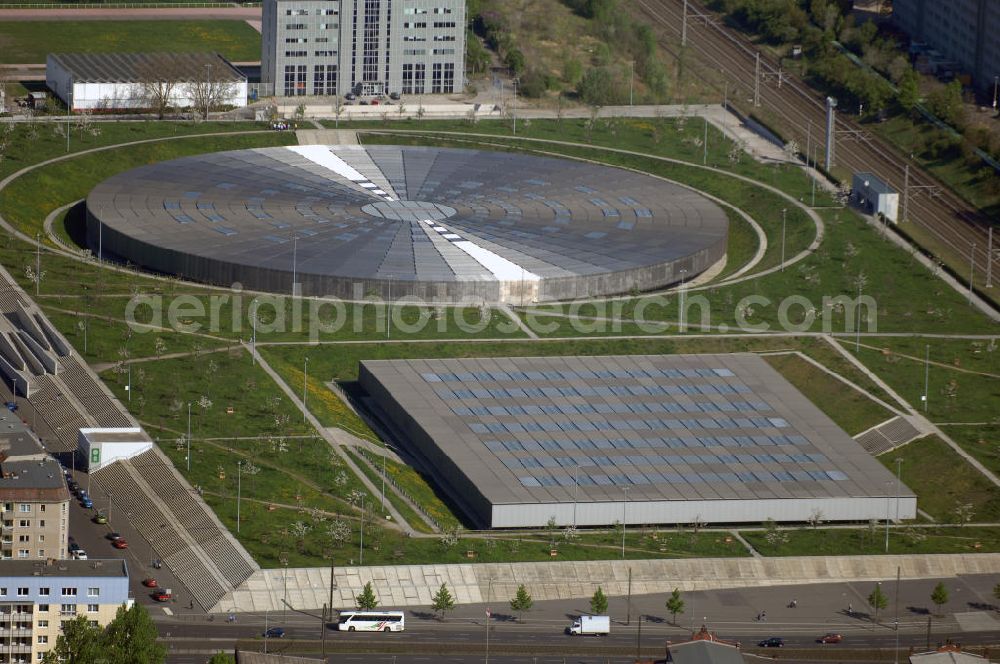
{"type": "Point", "coordinates": [442, 225]}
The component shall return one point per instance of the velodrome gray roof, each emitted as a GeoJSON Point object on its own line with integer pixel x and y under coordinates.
{"type": "Point", "coordinates": [544, 430]}
{"type": "Point", "coordinates": [136, 67]}
{"type": "Point", "coordinates": [445, 223]}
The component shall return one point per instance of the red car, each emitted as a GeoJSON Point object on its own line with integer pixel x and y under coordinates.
{"type": "Point", "coordinates": [163, 595]}
{"type": "Point", "coordinates": [120, 543]}
{"type": "Point", "coordinates": [831, 637]}
{"type": "Point", "coordinates": [150, 583]}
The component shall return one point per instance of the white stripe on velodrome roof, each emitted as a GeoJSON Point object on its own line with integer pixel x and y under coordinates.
{"type": "Point", "coordinates": [321, 156]}
{"type": "Point", "coordinates": [501, 268]}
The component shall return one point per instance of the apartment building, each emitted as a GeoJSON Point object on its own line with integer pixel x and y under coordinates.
{"type": "Point", "coordinates": [34, 498]}
{"type": "Point", "coordinates": [964, 31]}
{"type": "Point", "coordinates": [365, 47]}
{"type": "Point", "coordinates": [37, 596]}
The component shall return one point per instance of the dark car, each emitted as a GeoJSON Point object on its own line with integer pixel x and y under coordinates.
{"type": "Point", "coordinates": [73, 486]}
{"type": "Point", "coordinates": [831, 637]}
{"type": "Point", "coordinates": [73, 547]}
{"type": "Point", "coordinates": [11, 406]}
{"type": "Point", "coordinates": [162, 595]}
{"type": "Point", "coordinates": [274, 633]}
{"type": "Point", "coordinates": [350, 96]}
{"type": "Point", "coordinates": [773, 642]}
{"type": "Point", "coordinates": [87, 502]}
{"type": "Point", "coordinates": [113, 536]}
{"type": "Point", "coordinates": [394, 96]}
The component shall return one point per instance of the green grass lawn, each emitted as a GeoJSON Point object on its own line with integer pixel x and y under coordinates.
{"type": "Point", "coordinates": [966, 389]}
{"type": "Point", "coordinates": [412, 517]}
{"type": "Point", "coordinates": [943, 481]}
{"type": "Point", "coordinates": [850, 409]}
{"type": "Point", "coordinates": [31, 41]}
{"type": "Point", "coordinates": [267, 536]}
{"type": "Point", "coordinates": [982, 442]}
{"type": "Point", "coordinates": [420, 491]}
{"type": "Point", "coordinates": [871, 541]}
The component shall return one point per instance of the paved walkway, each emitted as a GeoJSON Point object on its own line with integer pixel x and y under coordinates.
{"type": "Point", "coordinates": [325, 433]}
{"type": "Point", "coordinates": [414, 585]}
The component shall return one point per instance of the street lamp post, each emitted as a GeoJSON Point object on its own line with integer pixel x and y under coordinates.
{"type": "Point", "coordinates": [239, 487]}
{"type": "Point", "coordinates": [489, 592]}
{"type": "Point", "coordinates": [927, 375]}
{"type": "Point", "coordinates": [295, 259]}
{"type": "Point", "coordinates": [631, 78]}
{"type": "Point", "coordinates": [514, 106]}
{"type": "Point", "coordinates": [385, 451]}
{"type": "Point", "coordinates": [361, 546]}
{"type": "Point", "coordinates": [681, 325]}
{"type": "Point", "coordinates": [784, 215]}
{"type": "Point", "coordinates": [208, 87]}
{"type": "Point", "coordinates": [888, 486]}
{"type": "Point", "coordinates": [253, 332]}
{"type": "Point", "coordinates": [189, 438]}
{"type": "Point", "coordinates": [624, 519]}
{"type": "Point", "coordinates": [284, 601]}
{"type": "Point", "coordinates": [996, 89]}
{"type": "Point", "coordinates": [38, 261]}
{"type": "Point", "coordinates": [388, 311]}
{"type": "Point", "coordinates": [899, 472]}
{"type": "Point", "coordinates": [305, 386]}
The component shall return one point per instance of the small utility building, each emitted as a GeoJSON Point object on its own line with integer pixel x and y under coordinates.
{"type": "Point", "coordinates": [874, 196]}
{"type": "Point", "coordinates": [139, 81]}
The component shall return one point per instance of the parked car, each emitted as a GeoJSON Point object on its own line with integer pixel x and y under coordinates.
{"type": "Point", "coordinates": [394, 96]}
{"type": "Point", "coordinates": [773, 642]}
{"type": "Point", "coordinates": [350, 96]}
{"type": "Point", "coordinates": [87, 502]}
{"type": "Point", "coordinates": [831, 637]}
{"type": "Point", "coordinates": [11, 406]}
{"type": "Point", "coordinates": [113, 536]}
{"type": "Point", "coordinates": [73, 486]}
{"type": "Point", "coordinates": [73, 546]}
{"type": "Point", "coordinates": [274, 633]}
{"type": "Point", "coordinates": [79, 554]}
{"type": "Point", "coordinates": [101, 518]}
{"type": "Point", "coordinates": [120, 543]}
{"type": "Point", "coordinates": [150, 583]}
{"type": "Point", "coordinates": [163, 595]}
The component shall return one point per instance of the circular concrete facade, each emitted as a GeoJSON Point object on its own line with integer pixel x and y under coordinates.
{"type": "Point", "coordinates": [443, 225]}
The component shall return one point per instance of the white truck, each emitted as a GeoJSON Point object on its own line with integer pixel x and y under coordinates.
{"type": "Point", "coordinates": [596, 625]}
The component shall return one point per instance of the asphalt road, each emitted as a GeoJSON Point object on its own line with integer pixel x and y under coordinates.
{"type": "Point", "coordinates": [731, 614]}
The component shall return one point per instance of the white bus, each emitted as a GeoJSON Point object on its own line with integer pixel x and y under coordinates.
{"type": "Point", "coordinates": [371, 621]}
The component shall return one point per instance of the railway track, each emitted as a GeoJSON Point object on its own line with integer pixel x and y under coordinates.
{"type": "Point", "coordinates": [958, 233]}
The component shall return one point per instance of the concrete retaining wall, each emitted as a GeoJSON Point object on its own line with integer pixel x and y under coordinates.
{"type": "Point", "coordinates": [414, 585]}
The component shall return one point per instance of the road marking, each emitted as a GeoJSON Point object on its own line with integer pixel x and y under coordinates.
{"type": "Point", "coordinates": [166, 610]}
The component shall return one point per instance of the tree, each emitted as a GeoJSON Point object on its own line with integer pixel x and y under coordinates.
{"type": "Point", "coordinates": [909, 90]}
{"type": "Point", "coordinates": [878, 600]}
{"type": "Point", "coordinates": [158, 85]}
{"type": "Point", "coordinates": [131, 638]}
{"type": "Point", "coordinates": [599, 602]}
{"type": "Point", "coordinates": [222, 658]}
{"type": "Point", "coordinates": [996, 591]}
{"type": "Point", "coordinates": [79, 643]}
{"type": "Point", "coordinates": [443, 601]}
{"type": "Point", "coordinates": [675, 604]}
{"type": "Point", "coordinates": [209, 92]}
{"type": "Point", "coordinates": [940, 595]}
{"type": "Point", "coordinates": [366, 600]}
{"type": "Point", "coordinates": [946, 103]}
{"type": "Point", "coordinates": [522, 601]}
